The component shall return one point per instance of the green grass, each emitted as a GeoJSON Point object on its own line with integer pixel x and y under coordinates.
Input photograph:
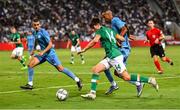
{"type": "Point", "coordinates": [47, 81]}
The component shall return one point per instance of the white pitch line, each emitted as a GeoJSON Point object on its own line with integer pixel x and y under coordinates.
{"type": "Point", "coordinates": [54, 87]}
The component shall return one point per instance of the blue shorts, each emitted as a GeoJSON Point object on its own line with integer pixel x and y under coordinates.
{"type": "Point", "coordinates": [51, 58]}
{"type": "Point", "coordinates": [125, 52]}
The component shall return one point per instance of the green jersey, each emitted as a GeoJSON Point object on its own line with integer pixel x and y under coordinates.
{"type": "Point", "coordinates": [108, 42]}
{"type": "Point", "coordinates": [15, 37]}
{"type": "Point", "coordinates": [73, 38]}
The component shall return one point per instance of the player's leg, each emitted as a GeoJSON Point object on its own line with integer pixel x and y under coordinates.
{"type": "Point", "coordinates": [95, 77]}
{"type": "Point", "coordinates": [54, 60]}
{"type": "Point", "coordinates": [30, 49]}
{"type": "Point", "coordinates": [72, 54]}
{"type": "Point", "coordinates": [121, 70]}
{"type": "Point", "coordinates": [139, 85]}
{"type": "Point", "coordinates": [114, 85]}
{"type": "Point", "coordinates": [168, 60]}
{"type": "Point", "coordinates": [14, 54]}
{"type": "Point", "coordinates": [157, 64]}
{"type": "Point", "coordinates": [163, 57]}
{"type": "Point", "coordinates": [18, 54]}
{"type": "Point", "coordinates": [34, 61]}
{"type": "Point", "coordinates": [154, 54]}
{"type": "Point", "coordinates": [136, 77]}
{"type": "Point", "coordinates": [78, 49]}
{"type": "Point", "coordinates": [21, 58]}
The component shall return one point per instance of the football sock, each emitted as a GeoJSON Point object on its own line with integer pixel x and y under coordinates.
{"type": "Point", "coordinates": [72, 57]}
{"type": "Point", "coordinates": [30, 76]}
{"type": "Point", "coordinates": [109, 76]}
{"type": "Point", "coordinates": [94, 81]}
{"type": "Point", "coordinates": [22, 61]}
{"type": "Point", "coordinates": [82, 57]}
{"type": "Point", "coordinates": [69, 73]}
{"type": "Point", "coordinates": [166, 59]}
{"type": "Point", "coordinates": [135, 77]}
{"type": "Point", "coordinates": [157, 64]}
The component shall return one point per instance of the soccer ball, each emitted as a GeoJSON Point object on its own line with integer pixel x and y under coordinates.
{"type": "Point", "coordinates": [62, 94]}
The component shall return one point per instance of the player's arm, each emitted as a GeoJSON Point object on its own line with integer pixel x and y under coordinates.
{"type": "Point", "coordinates": [78, 42]}
{"type": "Point", "coordinates": [47, 48]}
{"type": "Point", "coordinates": [123, 30]}
{"type": "Point", "coordinates": [161, 36]}
{"type": "Point", "coordinates": [147, 40]}
{"type": "Point", "coordinates": [47, 39]}
{"type": "Point", "coordinates": [18, 42]}
{"type": "Point", "coordinates": [68, 43]}
{"type": "Point", "coordinates": [119, 37]}
{"type": "Point", "coordinates": [91, 44]}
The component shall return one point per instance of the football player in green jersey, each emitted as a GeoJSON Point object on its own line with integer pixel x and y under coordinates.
{"type": "Point", "coordinates": [17, 53]}
{"type": "Point", "coordinates": [74, 40]}
{"type": "Point", "coordinates": [114, 58]}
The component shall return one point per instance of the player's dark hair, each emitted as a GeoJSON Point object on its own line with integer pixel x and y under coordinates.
{"type": "Point", "coordinates": [35, 19]}
{"type": "Point", "coordinates": [94, 21]}
{"type": "Point", "coordinates": [150, 20]}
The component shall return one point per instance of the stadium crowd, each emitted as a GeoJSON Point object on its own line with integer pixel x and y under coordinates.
{"type": "Point", "coordinates": [60, 16]}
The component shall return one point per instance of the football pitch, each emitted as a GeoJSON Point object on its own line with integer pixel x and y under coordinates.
{"type": "Point", "coordinates": [48, 80]}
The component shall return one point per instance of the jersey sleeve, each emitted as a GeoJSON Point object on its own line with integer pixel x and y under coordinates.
{"type": "Point", "coordinates": [46, 36]}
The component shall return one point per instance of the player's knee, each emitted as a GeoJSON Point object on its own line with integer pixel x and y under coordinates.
{"type": "Point", "coordinates": [126, 78]}
{"type": "Point", "coordinates": [95, 69]}
{"type": "Point", "coordinates": [163, 58]}
{"type": "Point", "coordinates": [30, 66]}
{"type": "Point", "coordinates": [60, 68]}
{"type": "Point", "coordinates": [12, 57]}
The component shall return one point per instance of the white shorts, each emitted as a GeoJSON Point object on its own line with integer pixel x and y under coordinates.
{"type": "Point", "coordinates": [116, 62]}
{"type": "Point", "coordinates": [18, 51]}
{"type": "Point", "coordinates": [75, 49]}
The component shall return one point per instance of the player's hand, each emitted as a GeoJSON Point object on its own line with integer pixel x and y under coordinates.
{"type": "Point", "coordinates": [146, 41]}
{"type": "Point", "coordinates": [156, 41]}
{"type": "Point", "coordinates": [40, 53]}
{"type": "Point", "coordinates": [11, 43]}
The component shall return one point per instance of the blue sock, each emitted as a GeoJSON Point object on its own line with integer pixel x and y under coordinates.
{"type": "Point", "coordinates": [108, 75]}
{"type": "Point", "coordinates": [30, 75]}
{"type": "Point", "coordinates": [69, 73]}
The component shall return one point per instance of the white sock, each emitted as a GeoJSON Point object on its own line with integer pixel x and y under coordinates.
{"type": "Point", "coordinates": [30, 83]}
{"type": "Point", "coordinates": [113, 83]}
{"type": "Point", "coordinates": [137, 83]}
{"type": "Point", "coordinates": [76, 79]}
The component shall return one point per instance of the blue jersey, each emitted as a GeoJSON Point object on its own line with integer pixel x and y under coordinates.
{"type": "Point", "coordinates": [42, 38]}
{"type": "Point", "coordinates": [30, 40]}
{"type": "Point", "coordinates": [116, 25]}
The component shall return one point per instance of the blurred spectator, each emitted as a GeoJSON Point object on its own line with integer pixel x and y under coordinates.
{"type": "Point", "coordinates": [60, 16]}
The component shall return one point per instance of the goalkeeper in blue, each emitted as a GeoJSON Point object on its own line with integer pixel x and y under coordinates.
{"type": "Point", "coordinates": [120, 27]}
{"type": "Point", "coordinates": [47, 53]}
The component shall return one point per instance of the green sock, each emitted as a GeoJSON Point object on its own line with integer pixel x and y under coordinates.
{"type": "Point", "coordinates": [22, 62]}
{"type": "Point", "coordinates": [72, 58]}
{"type": "Point", "coordinates": [94, 79]}
{"type": "Point", "coordinates": [134, 77]}
{"type": "Point", "coordinates": [82, 57]}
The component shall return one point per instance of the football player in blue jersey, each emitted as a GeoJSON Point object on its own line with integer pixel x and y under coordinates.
{"type": "Point", "coordinates": [47, 53]}
{"type": "Point", "coordinates": [30, 43]}
{"type": "Point", "coordinates": [120, 27]}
